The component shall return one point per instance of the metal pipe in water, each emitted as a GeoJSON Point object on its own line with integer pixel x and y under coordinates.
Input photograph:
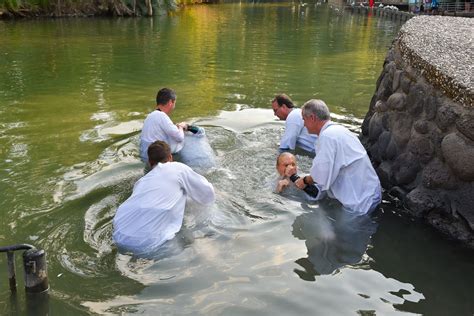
{"type": "Point", "coordinates": [36, 271]}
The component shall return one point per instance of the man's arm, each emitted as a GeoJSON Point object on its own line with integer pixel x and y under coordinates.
{"type": "Point", "coordinates": [174, 132]}
{"type": "Point", "coordinates": [196, 186]}
{"type": "Point", "coordinates": [288, 140]}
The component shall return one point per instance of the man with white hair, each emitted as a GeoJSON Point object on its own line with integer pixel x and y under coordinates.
{"type": "Point", "coordinates": [341, 167]}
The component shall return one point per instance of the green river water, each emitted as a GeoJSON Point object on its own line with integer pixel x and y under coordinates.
{"type": "Point", "coordinates": [73, 95]}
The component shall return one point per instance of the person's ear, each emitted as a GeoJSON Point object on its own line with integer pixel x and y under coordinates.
{"type": "Point", "coordinates": [170, 158]}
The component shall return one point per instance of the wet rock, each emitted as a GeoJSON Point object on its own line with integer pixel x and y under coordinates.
{"type": "Point", "coordinates": [415, 99]}
{"type": "Point", "coordinates": [405, 169]}
{"type": "Point", "coordinates": [396, 101]}
{"type": "Point", "coordinates": [465, 124]}
{"type": "Point", "coordinates": [447, 115]}
{"type": "Point", "coordinates": [383, 141]}
{"type": "Point", "coordinates": [454, 228]}
{"type": "Point", "coordinates": [384, 172]}
{"type": "Point", "coordinates": [391, 151]}
{"type": "Point", "coordinates": [384, 90]}
{"type": "Point", "coordinates": [433, 133]}
{"type": "Point", "coordinates": [431, 108]}
{"type": "Point", "coordinates": [421, 126]}
{"type": "Point", "coordinates": [398, 193]}
{"type": "Point", "coordinates": [421, 147]}
{"type": "Point", "coordinates": [365, 125]}
{"type": "Point", "coordinates": [380, 106]}
{"type": "Point", "coordinates": [458, 152]}
{"type": "Point", "coordinates": [400, 125]}
{"type": "Point", "coordinates": [375, 126]}
{"type": "Point", "coordinates": [374, 153]}
{"type": "Point", "coordinates": [405, 83]}
{"type": "Point", "coordinates": [379, 81]}
{"type": "Point", "coordinates": [420, 201]}
{"type": "Point", "coordinates": [464, 204]}
{"type": "Point", "coordinates": [390, 69]}
{"type": "Point", "coordinates": [396, 80]}
{"type": "Point", "coordinates": [438, 175]}
{"type": "Point", "coordinates": [385, 121]}
{"type": "Point", "coordinates": [425, 99]}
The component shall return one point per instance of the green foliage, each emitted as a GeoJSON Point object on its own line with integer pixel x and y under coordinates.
{"type": "Point", "coordinates": [89, 7]}
{"type": "Point", "coordinates": [11, 5]}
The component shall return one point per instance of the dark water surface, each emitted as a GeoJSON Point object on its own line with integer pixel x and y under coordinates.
{"type": "Point", "coordinates": [73, 96]}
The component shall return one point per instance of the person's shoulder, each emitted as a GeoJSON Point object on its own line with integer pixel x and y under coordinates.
{"type": "Point", "coordinates": [178, 166]}
{"type": "Point", "coordinates": [295, 112]}
{"type": "Point", "coordinates": [295, 115]}
{"type": "Point", "coordinates": [338, 132]}
{"type": "Point", "coordinates": [157, 114]}
{"type": "Point", "coordinates": [153, 115]}
{"type": "Point", "coordinates": [333, 131]}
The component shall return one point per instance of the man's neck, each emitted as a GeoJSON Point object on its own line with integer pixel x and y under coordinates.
{"type": "Point", "coordinates": [161, 108]}
{"type": "Point", "coordinates": [322, 126]}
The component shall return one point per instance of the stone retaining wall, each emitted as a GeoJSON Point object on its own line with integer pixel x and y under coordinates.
{"type": "Point", "coordinates": [419, 130]}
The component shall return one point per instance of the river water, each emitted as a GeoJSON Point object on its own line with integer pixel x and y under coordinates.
{"type": "Point", "coordinates": [73, 96]}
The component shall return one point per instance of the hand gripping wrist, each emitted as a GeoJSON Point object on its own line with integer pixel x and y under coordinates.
{"type": "Point", "coordinates": [304, 180]}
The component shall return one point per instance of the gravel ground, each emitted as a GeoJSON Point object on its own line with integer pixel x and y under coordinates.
{"type": "Point", "coordinates": [446, 43]}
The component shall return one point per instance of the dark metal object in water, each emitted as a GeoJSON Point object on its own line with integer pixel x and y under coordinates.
{"type": "Point", "coordinates": [35, 268]}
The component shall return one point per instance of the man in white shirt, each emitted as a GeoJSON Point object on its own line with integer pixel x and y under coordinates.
{"type": "Point", "coordinates": [296, 134]}
{"type": "Point", "coordinates": [158, 125]}
{"type": "Point", "coordinates": [154, 212]}
{"type": "Point", "coordinates": [341, 167]}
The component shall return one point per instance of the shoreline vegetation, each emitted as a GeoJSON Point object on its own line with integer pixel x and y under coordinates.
{"type": "Point", "coordinates": [11, 9]}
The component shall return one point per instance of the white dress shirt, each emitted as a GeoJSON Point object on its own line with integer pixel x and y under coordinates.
{"type": "Point", "coordinates": [296, 134]}
{"type": "Point", "coordinates": [154, 212]}
{"type": "Point", "coordinates": [158, 126]}
{"type": "Point", "coordinates": [343, 170]}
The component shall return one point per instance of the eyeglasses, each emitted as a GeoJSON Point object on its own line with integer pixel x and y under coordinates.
{"type": "Point", "coordinates": [276, 110]}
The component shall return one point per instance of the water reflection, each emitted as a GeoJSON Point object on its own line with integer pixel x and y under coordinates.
{"type": "Point", "coordinates": [73, 95]}
{"type": "Point", "coordinates": [333, 237]}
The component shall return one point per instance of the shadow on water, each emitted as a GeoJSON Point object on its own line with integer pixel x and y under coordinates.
{"type": "Point", "coordinates": [407, 250]}
{"type": "Point", "coordinates": [333, 238]}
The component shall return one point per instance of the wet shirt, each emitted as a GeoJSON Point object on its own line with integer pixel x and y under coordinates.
{"type": "Point", "coordinates": [296, 135]}
{"type": "Point", "coordinates": [158, 126]}
{"type": "Point", "coordinates": [154, 212]}
{"type": "Point", "coordinates": [343, 170]}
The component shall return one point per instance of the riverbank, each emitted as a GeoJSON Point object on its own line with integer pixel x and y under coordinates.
{"type": "Point", "coordinates": [419, 128]}
{"type": "Point", "coordinates": [10, 9]}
